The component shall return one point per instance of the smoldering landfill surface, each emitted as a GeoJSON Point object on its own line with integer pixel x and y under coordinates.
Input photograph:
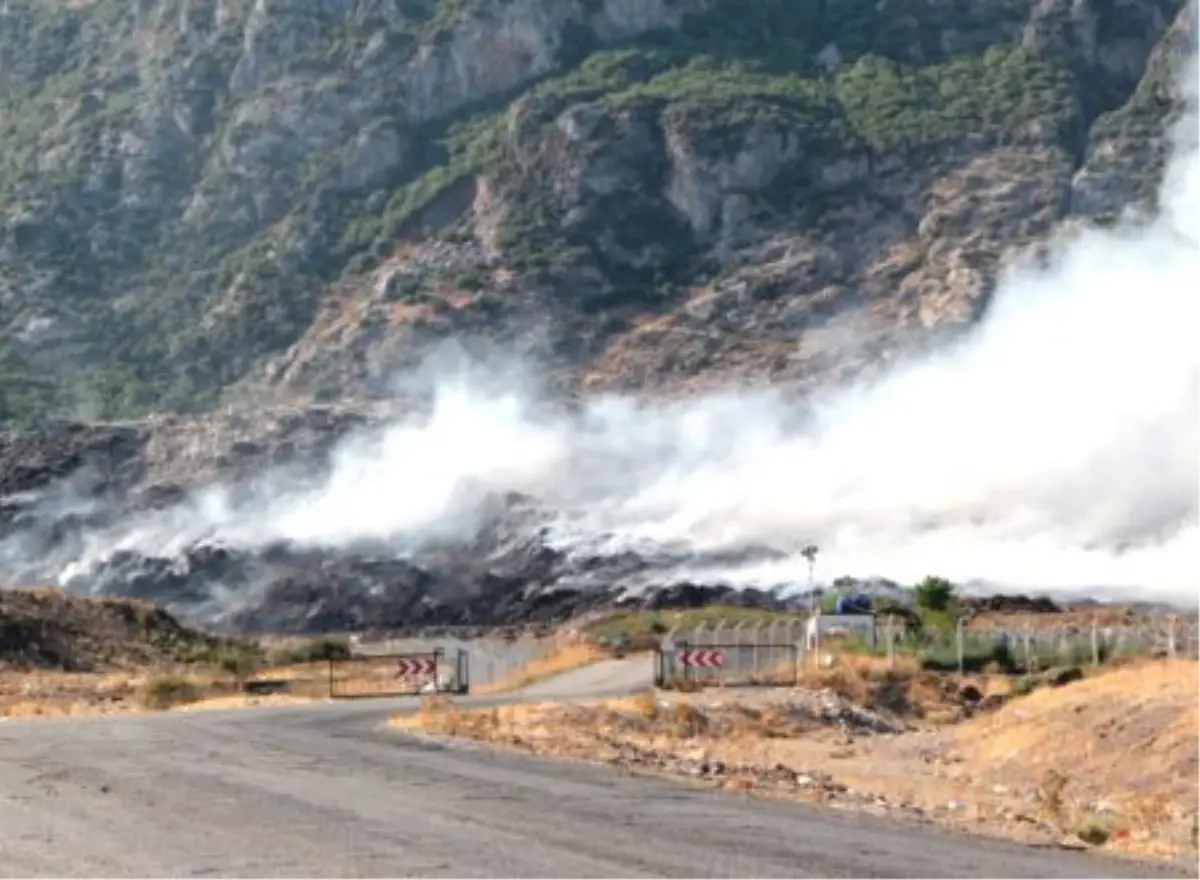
{"type": "Point", "coordinates": [482, 509]}
{"type": "Point", "coordinates": [243, 558]}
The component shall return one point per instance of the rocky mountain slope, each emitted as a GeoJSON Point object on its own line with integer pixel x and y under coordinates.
{"type": "Point", "coordinates": [207, 198]}
{"type": "Point", "coordinates": [283, 205]}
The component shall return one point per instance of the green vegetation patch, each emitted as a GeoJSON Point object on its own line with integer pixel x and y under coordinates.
{"type": "Point", "coordinates": [1003, 95]}
{"type": "Point", "coordinates": [164, 312]}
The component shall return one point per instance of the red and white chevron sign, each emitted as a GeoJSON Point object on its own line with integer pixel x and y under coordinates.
{"type": "Point", "coordinates": [415, 666]}
{"type": "Point", "coordinates": [702, 658]}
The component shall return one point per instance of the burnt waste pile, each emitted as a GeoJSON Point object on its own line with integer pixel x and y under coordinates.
{"type": "Point", "coordinates": [92, 509]}
{"type": "Point", "coordinates": [509, 578]}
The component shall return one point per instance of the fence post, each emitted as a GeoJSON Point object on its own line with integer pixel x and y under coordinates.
{"type": "Point", "coordinates": [958, 644]}
{"type": "Point", "coordinates": [891, 641]}
{"type": "Point", "coordinates": [462, 671]}
{"type": "Point", "coordinates": [1095, 643]}
{"type": "Point", "coordinates": [1029, 650]}
{"type": "Point", "coordinates": [1171, 636]}
{"type": "Point", "coordinates": [330, 677]}
{"type": "Point", "coordinates": [739, 633]}
{"type": "Point", "coordinates": [754, 640]}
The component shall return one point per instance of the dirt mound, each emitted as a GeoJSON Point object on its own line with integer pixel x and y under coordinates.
{"type": "Point", "coordinates": [1134, 729]}
{"type": "Point", "coordinates": [49, 629]}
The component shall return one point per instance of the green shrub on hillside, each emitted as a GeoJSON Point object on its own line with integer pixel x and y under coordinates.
{"type": "Point", "coordinates": [167, 313]}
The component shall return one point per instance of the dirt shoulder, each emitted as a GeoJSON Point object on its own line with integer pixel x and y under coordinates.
{"type": "Point", "coordinates": [1107, 762]}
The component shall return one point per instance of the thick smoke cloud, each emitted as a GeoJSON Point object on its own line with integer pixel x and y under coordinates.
{"type": "Point", "coordinates": [1056, 447]}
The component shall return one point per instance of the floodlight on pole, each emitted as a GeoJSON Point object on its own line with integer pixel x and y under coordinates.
{"type": "Point", "coordinates": [810, 552]}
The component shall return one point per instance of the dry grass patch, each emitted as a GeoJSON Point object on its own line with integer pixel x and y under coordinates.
{"type": "Point", "coordinates": [604, 729]}
{"type": "Point", "coordinates": [903, 689]}
{"type": "Point", "coordinates": [44, 693]}
{"type": "Point", "coordinates": [899, 686]}
{"type": "Point", "coordinates": [49, 694]}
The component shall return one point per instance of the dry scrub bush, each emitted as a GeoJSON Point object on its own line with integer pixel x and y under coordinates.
{"type": "Point", "coordinates": [439, 714]}
{"type": "Point", "coordinates": [1150, 812]}
{"type": "Point", "coordinates": [1056, 809]}
{"type": "Point", "coordinates": [1050, 797]}
{"type": "Point", "coordinates": [165, 691]}
{"type": "Point", "coordinates": [1148, 817]}
{"type": "Point", "coordinates": [844, 679]}
{"type": "Point", "coordinates": [645, 715]}
{"type": "Point", "coordinates": [442, 716]}
{"type": "Point", "coordinates": [688, 721]}
{"type": "Point", "coordinates": [646, 704]}
{"type": "Point", "coordinates": [684, 685]}
{"type": "Point", "coordinates": [1093, 831]}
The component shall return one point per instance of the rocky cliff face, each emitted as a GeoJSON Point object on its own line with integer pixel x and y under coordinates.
{"type": "Point", "coordinates": [205, 197]}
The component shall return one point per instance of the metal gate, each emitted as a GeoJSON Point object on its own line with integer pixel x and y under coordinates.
{"type": "Point", "coordinates": [396, 675]}
{"type": "Point", "coordinates": [766, 664]}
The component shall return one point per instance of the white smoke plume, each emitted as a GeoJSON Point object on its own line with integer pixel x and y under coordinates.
{"type": "Point", "coordinates": [1058, 447]}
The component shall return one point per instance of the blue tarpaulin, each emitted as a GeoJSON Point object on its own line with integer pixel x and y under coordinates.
{"type": "Point", "coordinates": [855, 603]}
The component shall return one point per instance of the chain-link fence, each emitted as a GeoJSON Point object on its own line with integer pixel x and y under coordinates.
{"type": "Point", "coordinates": [679, 665]}
{"type": "Point", "coordinates": [492, 660]}
{"type": "Point", "coordinates": [964, 647]}
{"type": "Point", "coordinates": [771, 653]}
{"type": "Point", "coordinates": [789, 630]}
{"type": "Point", "coordinates": [1034, 647]}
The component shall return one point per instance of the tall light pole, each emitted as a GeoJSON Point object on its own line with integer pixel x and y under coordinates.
{"type": "Point", "coordinates": [810, 552]}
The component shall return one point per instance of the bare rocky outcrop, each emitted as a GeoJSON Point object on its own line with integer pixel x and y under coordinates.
{"type": "Point", "coordinates": [224, 185]}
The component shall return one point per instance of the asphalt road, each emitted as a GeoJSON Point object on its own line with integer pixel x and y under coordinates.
{"type": "Point", "coordinates": [609, 677]}
{"type": "Point", "coordinates": [326, 790]}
